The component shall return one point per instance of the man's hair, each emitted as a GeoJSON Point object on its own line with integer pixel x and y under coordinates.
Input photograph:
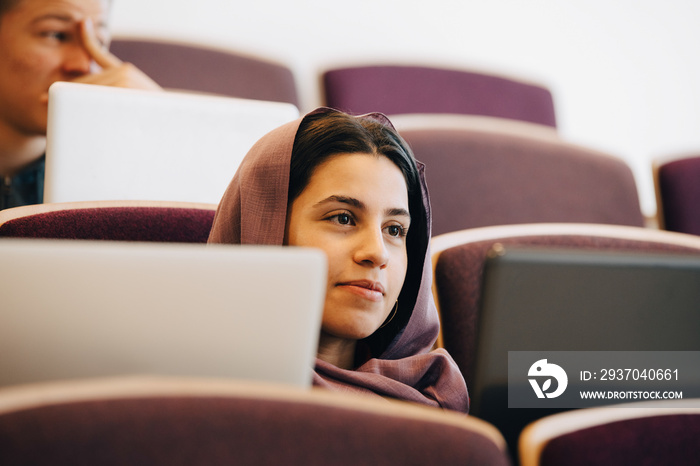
{"type": "Point", "coordinates": [7, 5]}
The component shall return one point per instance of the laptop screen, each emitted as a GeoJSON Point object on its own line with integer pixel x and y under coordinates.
{"type": "Point", "coordinates": [571, 300]}
{"type": "Point", "coordinates": [106, 143]}
{"type": "Point", "coordinates": [87, 309]}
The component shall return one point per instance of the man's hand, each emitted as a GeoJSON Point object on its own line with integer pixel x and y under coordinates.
{"type": "Point", "coordinates": [113, 71]}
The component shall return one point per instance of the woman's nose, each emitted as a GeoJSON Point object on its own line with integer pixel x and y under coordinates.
{"type": "Point", "coordinates": [371, 248]}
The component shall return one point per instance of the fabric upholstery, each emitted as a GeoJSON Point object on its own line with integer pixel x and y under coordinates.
{"type": "Point", "coordinates": [187, 225]}
{"type": "Point", "coordinates": [423, 89]}
{"type": "Point", "coordinates": [670, 439]}
{"type": "Point", "coordinates": [198, 68]}
{"type": "Point", "coordinates": [679, 194]}
{"type": "Point", "coordinates": [224, 422]}
{"type": "Point", "coordinates": [480, 178]}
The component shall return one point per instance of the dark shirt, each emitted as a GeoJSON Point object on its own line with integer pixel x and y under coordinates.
{"type": "Point", "coordinates": [26, 187]}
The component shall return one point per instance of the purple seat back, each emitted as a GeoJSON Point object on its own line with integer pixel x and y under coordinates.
{"type": "Point", "coordinates": [481, 178]}
{"type": "Point", "coordinates": [210, 430]}
{"type": "Point", "coordinates": [422, 89]}
{"type": "Point", "coordinates": [679, 195]}
{"type": "Point", "coordinates": [197, 68]}
{"type": "Point", "coordinates": [166, 224]}
{"type": "Point", "coordinates": [667, 439]}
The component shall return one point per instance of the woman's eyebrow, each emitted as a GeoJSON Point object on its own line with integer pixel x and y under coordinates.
{"type": "Point", "coordinates": [358, 204]}
{"type": "Point", "coordinates": [343, 200]}
{"type": "Point", "coordinates": [397, 212]}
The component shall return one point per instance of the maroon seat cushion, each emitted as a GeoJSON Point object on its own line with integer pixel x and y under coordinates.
{"type": "Point", "coordinates": [679, 192]}
{"type": "Point", "coordinates": [184, 225]}
{"type": "Point", "coordinates": [420, 89]}
{"type": "Point", "coordinates": [224, 431]}
{"type": "Point", "coordinates": [670, 439]}
{"type": "Point", "coordinates": [195, 68]}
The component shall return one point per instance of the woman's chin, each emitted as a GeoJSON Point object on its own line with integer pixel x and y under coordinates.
{"type": "Point", "coordinates": [352, 332]}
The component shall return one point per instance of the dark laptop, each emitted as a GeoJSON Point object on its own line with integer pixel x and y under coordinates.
{"type": "Point", "coordinates": [571, 300]}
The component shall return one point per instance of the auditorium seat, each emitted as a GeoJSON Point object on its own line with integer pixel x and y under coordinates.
{"type": "Point", "coordinates": [458, 260]}
{"type": "Point", "coordinates": [652, 432]}
{"type": "Point", "coordinates": [111, 220]}
{"type": "Point", "coordinates": [485, 171]}
{"type": "Point", "coordinates": [195, 67]}
{"type": "Point", "coordinates": [678, 193]}
{"type": "Point", "coordinates": [405, 89]}
{"type": "Point", "coordinates": [190, 421]}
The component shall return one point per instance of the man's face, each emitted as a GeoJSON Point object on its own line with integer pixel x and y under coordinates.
{"type": "Point", "coordinates": [40, 44]}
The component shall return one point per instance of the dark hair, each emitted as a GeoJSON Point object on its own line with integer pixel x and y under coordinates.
{"type": "Point", "coordinates": [325, 134]}
{"type": "Point", "coordinates": [7, 5]}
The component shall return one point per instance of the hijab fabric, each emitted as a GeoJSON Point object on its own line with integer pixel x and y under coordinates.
{"type": "Point", "coordinates": [253, 210]}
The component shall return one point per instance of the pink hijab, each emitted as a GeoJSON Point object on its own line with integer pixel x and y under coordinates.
{"type": "Point", "coordinates": [253, 210]}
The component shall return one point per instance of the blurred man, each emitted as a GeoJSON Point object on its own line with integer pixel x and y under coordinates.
{"type": "Point", "coordinates": [41, 42]}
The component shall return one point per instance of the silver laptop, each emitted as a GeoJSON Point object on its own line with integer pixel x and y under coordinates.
{"type": "Point", "coordinates": [106, 143]}
{"type": "Point", "coordinates": [72, 309]}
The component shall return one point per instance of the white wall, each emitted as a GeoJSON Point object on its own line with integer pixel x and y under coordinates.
{"type": "Point", "coordinates": [625, 73]}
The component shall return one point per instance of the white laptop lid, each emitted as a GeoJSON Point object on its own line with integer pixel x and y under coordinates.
{"type": "Point", "coordinates": [106, 143]}
{"type": "Point", "coordinates": [73, 309]}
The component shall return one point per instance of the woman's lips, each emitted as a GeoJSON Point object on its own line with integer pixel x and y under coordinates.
{"type": "Point", "coordinates": [373, 291]}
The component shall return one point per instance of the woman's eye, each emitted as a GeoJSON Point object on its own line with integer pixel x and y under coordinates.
{"type": "Point", "coordinates": [342, 219]}
{"type": "Point", "coordinates": [395, 230]}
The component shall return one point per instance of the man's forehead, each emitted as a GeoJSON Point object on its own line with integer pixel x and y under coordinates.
{"type": "Point", "coordinates": [77, 7]}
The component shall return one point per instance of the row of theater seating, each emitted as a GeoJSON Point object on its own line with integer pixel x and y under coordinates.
{"type": "Point", "coordinates": [360, 89]}
{"type": "Point", "coordinates": [485, 171]}
{"type": "Point", "coordinates": [458, 258]}
{"type": "Point", "coordinates": [171, 421]}
{"type": "Point", "coordinates": [165, 421]}
{"type": "Point", "coordinates": [518, 169]}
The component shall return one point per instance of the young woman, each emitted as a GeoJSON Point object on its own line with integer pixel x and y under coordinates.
{"type": "Point", "coordinates": [351, 187]}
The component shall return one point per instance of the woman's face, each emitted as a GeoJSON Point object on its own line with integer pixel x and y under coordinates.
{"type": "Point", "coordinates": [355, 208]}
